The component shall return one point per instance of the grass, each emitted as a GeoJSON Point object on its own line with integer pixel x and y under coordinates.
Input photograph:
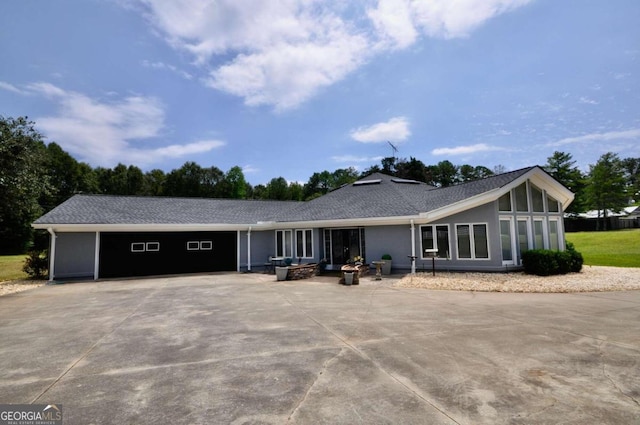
{"type": "Point", "coordinates": [11, 267]}
{"type": "Point", "coordinates": [617, 248]}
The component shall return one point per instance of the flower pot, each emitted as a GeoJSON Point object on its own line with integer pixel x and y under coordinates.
{"type": "Point", "coordinates": [281, 273]}
{"type": "Point", "coordinates": [386, 267]}
{"type": "Point", "coordinates": [348, 278]}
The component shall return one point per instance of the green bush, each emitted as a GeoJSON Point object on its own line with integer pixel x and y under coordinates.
{"type": "Point", "coordinates": [544, 262]}
{"type": "Point", "coordinates": [36, 265]}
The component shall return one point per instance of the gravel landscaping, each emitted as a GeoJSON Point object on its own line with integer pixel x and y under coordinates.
{"type": "Point", "coordinates": [13, 286]}
{"type": "Point", "coordinates": [590, 279]}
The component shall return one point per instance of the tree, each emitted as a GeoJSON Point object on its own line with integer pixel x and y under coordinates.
{"type": "Point", "coordinates": [632, 175]}
{"type": "Point", "coordinates": [446, 174]}
{"type": "Point", "coordinates": [606, 187]}
{"type": "Point", "coordinates": [23, 181]}
{"type": "Point", "coordinates": [562, 168]}
{"type": "Point", "coordinates": [153, 183]}
{"type": "Point", "coordinates": [414, 169]}
{"type": "Point", "coordinates": [278, 189]}
{"type": "Point", "coordinates": [235, 186]}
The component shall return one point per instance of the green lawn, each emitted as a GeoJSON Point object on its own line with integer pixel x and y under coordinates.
{"type": "Point", "coordinates": [11, 267]}
{"type": "Point", "coordinates": [618, 248]}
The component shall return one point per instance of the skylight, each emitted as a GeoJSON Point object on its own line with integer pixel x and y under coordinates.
{"type": "Point", "coordinates": [405, 181]}
{"type": "Point", "coordinates": [366, 182]}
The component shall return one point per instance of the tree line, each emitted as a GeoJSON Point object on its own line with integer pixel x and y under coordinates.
{"type": "Point", "coordinates": [35, 177]}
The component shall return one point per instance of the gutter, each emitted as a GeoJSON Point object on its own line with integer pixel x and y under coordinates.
{"type": "Point", "coordinates": [52, 253]}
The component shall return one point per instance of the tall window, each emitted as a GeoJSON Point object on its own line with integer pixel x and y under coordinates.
{"type": "Point", "coordinates": [552, 204]}
{"type": "Point", "coordinates": [554, 242]}
{"type": "Point", "coordinates": [304, 243]}
{"type": "Point", "coordinates": [472, 241]}
{"type": "Point", "coordinates": [283, 243]}
{"type": "Point", "coordinates": [436, 237]}
{"type": "Point", "coordinates": [505, 240]}
{"type": "Point", "coordinates": [522, 204]}
{"type": "Point", "coordinates": [523, 235]}
{"type": "Point", "coordinates": [536, 199]}
{"type": "Point", "coordinates": [538, 234]}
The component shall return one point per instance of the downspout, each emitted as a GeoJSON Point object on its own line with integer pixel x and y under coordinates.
{"type": "Point", "coordinates": [249, 249]}
{"type": "Point", "coordinates": [413, 247]}
{"type": "Point", "coordinates": [52, 253]}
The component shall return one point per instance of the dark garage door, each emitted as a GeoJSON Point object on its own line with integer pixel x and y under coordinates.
{"type": "Point", "coordinates": [157, 253]}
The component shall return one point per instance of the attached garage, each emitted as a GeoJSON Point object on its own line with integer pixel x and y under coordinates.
{"type": "Point", "coordinates": [125, 254]}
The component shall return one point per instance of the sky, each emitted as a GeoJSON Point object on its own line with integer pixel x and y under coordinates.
{"type": "Point", "coordinates": [292, 87]}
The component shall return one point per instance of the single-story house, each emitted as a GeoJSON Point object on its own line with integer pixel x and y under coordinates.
{"type": "Point", "coordinates": [483, 225]}
{"type": "Point", "coordinates": [627, 218]}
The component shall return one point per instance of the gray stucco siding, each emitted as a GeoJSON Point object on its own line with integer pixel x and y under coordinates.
{"type": "Point", "coordinates": [74, 255]}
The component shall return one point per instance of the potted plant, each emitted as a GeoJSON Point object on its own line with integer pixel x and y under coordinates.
{"type": "Point", "coordinates": [386, 267]}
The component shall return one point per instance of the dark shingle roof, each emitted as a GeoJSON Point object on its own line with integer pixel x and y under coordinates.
{"type": "Point", "coordinates": [103, 209]}
{"type": "Point", "coordinates": [378, 195]}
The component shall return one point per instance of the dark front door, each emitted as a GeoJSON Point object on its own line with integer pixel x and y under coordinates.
{"type": "Point", "coordinates": [158, 253]}
{"type": "Point", "coordinates": [346, 244]}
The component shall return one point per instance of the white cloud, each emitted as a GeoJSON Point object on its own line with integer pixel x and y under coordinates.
{"type": "Point", "coordinates": [281, 53]}
{"type": "Point", "coordinates": [598, 137]}
{"type": "Point", "coordinates": [466, 150]}
{"type": "Point", "coordinates": [162, 65]}
{"type": "Point", "coordinates": [10, 87]}
{"type": "Point", "coordinates": [248, 169]}
{"type": "Point", "coordinates": [587, 101]}
{"type": "Point", "coordinates": [394, 130]}
{"type": "Point", "coordinates": [104, 133]}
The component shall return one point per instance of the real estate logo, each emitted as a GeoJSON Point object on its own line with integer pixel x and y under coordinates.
{"type": "Point", "coordinates": [30, 414]}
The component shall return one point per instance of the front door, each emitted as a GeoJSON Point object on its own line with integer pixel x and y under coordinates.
{"type": "Point", "coordinates": [345, 244]}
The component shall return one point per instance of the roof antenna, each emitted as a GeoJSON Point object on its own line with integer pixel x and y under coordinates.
{"type": "Point", "coordinates": [394, 150]}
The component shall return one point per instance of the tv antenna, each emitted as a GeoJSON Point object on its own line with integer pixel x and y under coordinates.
{"type": "Point", "coordinates": [394, 149]}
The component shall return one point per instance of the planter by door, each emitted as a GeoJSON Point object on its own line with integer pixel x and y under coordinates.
{"type": "Point", "coordinates": [348, 278]}
{"type": "Point", "coordinates": [386, 267]}
{"type": "Point", "coordinates": [281, 273]}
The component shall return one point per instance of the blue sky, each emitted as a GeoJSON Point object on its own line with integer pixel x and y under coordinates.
{"type": "Point", "coordinates": [287, 88]}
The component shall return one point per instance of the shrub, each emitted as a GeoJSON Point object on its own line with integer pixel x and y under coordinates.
{"type": "Point", "coordinates": [386, 257]}
{"type": "Point", "coordinates": [544, 262]}
{"type": "Point", "coordinates": [36, 264]}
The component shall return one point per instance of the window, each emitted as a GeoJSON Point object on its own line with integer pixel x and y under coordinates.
{"type": "Point", "coordinates": [206, 245]}
{"type": "Point", "coordinates": [552, 204]}
{"type": "Point", "coordinates": [304, 243]}
{"type": "Point", "coordinates": [538, 234]}
{"type": "Point", "coordinates": [554, 242]}
{"type": "Point", "coordinates": [523, 235]}
{"type": "Point", "coordinates": [536, 199]}
{"type": "Point", "coordinates": [199, 246]}
{"type": "Point", "coordinates": [283, 243]}
{"type": "Point", "coordinates": [137, 247]}
{"type": "Point", "coordinates": [439, 242]}
{"type": "Point", "coordinates": [472, 241]}
{"type": "Point", "coordinates": [505, 241]}
{"type": "Point", "coordinates": [145, 246]}
{"type": "Point", "coordinates": [153, 246]}
{"type": "Point", "coordinates": [522, 204]}
{"type": "Point", "coordinates": [504, 202]}
{"type": "Point", "coordinates": [193, 246]}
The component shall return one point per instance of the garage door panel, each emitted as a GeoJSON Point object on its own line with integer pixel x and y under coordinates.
{"type": "Point", "coordinates": [157, 253]}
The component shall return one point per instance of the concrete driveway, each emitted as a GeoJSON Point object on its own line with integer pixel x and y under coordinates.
{"type": "Point", "coordinates": [244, 349]}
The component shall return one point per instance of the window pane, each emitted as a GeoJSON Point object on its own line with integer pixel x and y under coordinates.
{"type": "Point", "coordinates": [300, 243]}
{"type": "Point", "coordinates": [480, 240]}
{"type": "Point", "coordinates": [193, 246]}
{"type": "Point", "coordinates": [464, 241]}
{"type": "Point", "coordinates": [505, 240]}
{"type": "Point", "coordinates": [137, 247]}
{"type": "Point", "coordinates": [523, 236]}
{"type": "Point", "coordinates": [521, 198]}
{"type": "Point", "coordinates": [442, 234]}
{"type": "Point", "coordinates": [308, 252]}
{"type": "Point", "coordinates": [153, 246]}
{"type": "Point", "coordinates": [553, 204]}
{"type": "Point", "coordinates": [427, 238]}
{"type": "Point", "coordinates": [206, 245]}
{"type": "Point", "coordinates": [538, 240]}
{"type": "Point", "coordinates": [279, 241]}
{"type": "Point", "coordinates": [553, 235]}
{"type": "Point", "coordinates": [536, 199]}
{"type": "Point", "coordinates": [287, 244]}
{"type": "Point", "coordinates": [504, 203]}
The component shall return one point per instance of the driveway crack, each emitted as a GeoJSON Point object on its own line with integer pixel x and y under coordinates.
{"type": "Point", "coordinates": [604, 372]}
{"type": "Point", "coordinates": [95, 344]}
